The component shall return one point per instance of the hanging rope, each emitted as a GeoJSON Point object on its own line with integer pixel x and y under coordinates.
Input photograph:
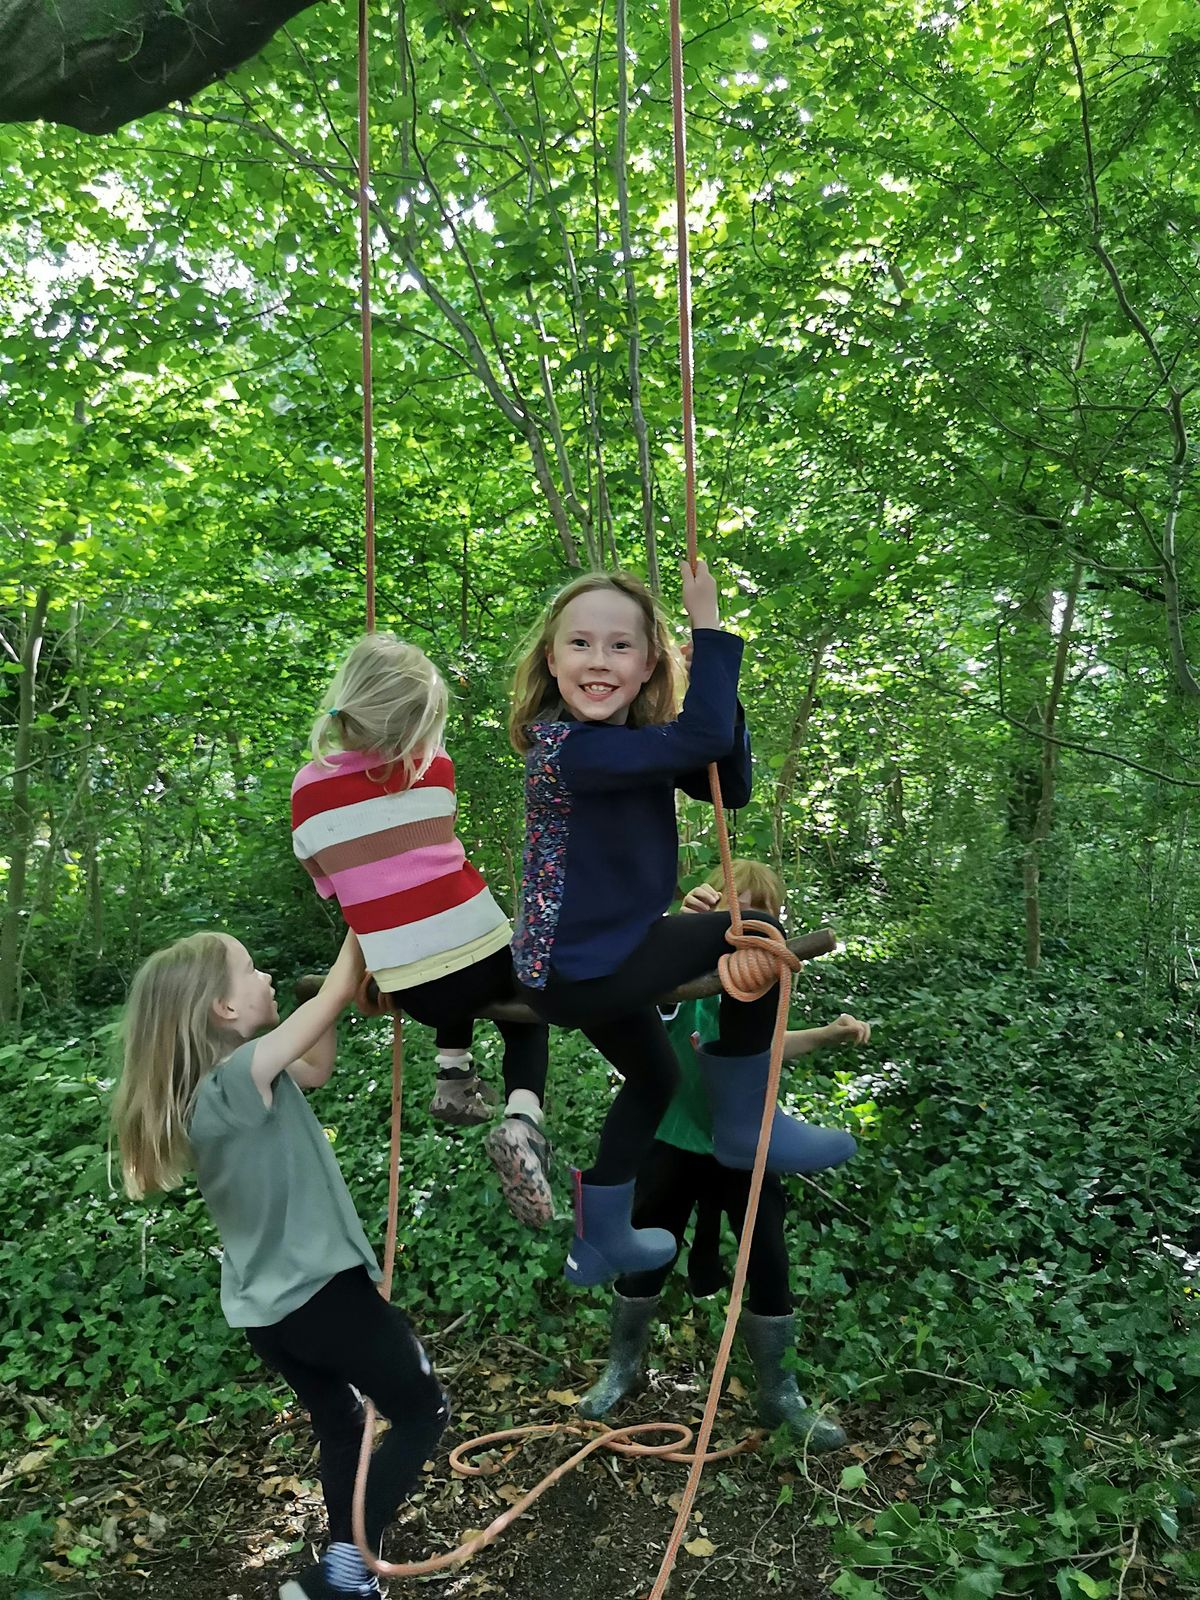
{"type": "Point", "coordinates": [687, 399]}
{"type": "Point", "coordinates": [364, 300]}
{"type": "Point", "coordinates": [758, 959]}
{"type": "Point", "coordinates": [759, 952]}
{"type": "Point", "coordinates": [368, 427]}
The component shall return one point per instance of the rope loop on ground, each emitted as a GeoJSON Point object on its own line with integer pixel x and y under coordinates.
{"type": "Point", "coordinates": [622, 1441]}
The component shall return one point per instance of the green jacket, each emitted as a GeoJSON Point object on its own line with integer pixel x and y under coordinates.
{"type": "Point", "coordinates": [687, 1122]}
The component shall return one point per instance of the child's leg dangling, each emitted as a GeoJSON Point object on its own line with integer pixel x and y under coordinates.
{"type": "Point", "coordinates": [518, 1147]}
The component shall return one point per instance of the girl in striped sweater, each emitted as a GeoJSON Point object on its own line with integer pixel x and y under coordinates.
{"type": "Point", "coordinates": [373, 823]}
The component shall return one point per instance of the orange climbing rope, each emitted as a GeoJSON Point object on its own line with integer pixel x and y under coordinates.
{"type": "Point", "coordinates": [759, 957]}
{"type": "Point", "coordinates": [759, 951]}
{"type": "Point", "coordinates": [364, 281]}
{"type": "Point", "coordinates": [368, 429]}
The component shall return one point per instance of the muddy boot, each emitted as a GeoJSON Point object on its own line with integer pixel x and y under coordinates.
{"type": "Point", "coordinates": [780, 1402]}
{"type": "Point", "coordinates": [462, 1100]}
{"type": "Point", "coordinates": [606, 1244]}
{"type": "Point", "coordinates": [631, 1321]}
{"type": "Point", "coordinates": [520, 1153]}
{"type": "Point", "coordinates": [736, 1087]}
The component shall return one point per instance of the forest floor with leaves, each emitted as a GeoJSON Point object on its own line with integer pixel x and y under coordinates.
{"type": "Point", "coordinates": [207, 1517]}
{"type": "Point", "coordinates": [1000, 1297]}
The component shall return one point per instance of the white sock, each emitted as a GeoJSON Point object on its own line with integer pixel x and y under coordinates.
{"type": "Point", "coordinates": [524, 1103]}
{"type": "Point", "coordinates": [454, 1064]}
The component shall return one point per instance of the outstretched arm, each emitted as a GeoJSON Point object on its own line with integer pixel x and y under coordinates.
{"type": "Point", "coordinates": [846, 1030]}
{"type": "Point", "coordinates": [315, 1066]}
{"type": "Point", "coordinates": [303, 1046]}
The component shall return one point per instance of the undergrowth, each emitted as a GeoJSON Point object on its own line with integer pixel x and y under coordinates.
{"type": "Point", "coordinates": [1013, 1252]}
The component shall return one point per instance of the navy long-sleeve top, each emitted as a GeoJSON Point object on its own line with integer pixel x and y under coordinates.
{"type": "Point", "coordinates": [601, 847]}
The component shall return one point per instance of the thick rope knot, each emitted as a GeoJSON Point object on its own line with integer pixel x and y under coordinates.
{"type": "Point", "coordinates": [757, 962]}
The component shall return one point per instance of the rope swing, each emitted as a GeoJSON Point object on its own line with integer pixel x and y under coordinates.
{"type": "Point", "coordinates": [758, 958]}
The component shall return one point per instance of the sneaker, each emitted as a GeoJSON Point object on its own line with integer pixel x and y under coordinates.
{"type": "Point", "coordinates": [312, 1584]}
{"type": "Point", "coordinates": [463, 1102]}
{"type": "Point", "coordinates": [520, 1153]}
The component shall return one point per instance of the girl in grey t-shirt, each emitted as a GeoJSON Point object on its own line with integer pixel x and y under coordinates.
{"type": "Point", "coordinates": [204, 1086]}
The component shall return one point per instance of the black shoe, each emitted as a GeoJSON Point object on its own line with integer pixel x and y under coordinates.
{"type": "Point", "coordinates": [312, 1584]}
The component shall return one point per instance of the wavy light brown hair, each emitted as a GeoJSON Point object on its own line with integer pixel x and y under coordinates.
{"type": "Point", "coordinates": [535, 695]}
{"type": "Point", "coordinates": [171, 1040]}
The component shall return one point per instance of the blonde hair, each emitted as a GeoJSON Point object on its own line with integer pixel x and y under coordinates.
{"type": "Point", "coordinates": [763, 884]}
{"type": "Point", "coordinates": [535, 692]}
{"type": "Point", "coordinates": [171, 1039]}
{"type": "Point", "coordinates": [387, 697]}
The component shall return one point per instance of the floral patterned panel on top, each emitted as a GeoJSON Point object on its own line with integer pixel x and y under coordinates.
{"type": "Point", "coordinates": [543, 867]}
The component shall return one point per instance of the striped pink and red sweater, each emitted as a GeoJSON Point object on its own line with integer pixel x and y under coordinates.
{"type": "Point", "coordinates": [387, 849]}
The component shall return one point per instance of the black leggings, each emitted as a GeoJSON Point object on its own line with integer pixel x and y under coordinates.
{"type": "Point", "coordinates": [448, 1006]}
{"type": "Point", "coordinates": [618, 1014]}
{"type": "Point", "coordinates": [347, 1338]}
{"type": "Point", "coordinates": [673, 1183]}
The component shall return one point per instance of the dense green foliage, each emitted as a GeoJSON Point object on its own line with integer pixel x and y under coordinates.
{"type": "Point", "coordinates": [926, 413]}
{"type": "Point", "coordinates": [946, 351]}
{"type": "Point", "coordinates": [1008, 1251]}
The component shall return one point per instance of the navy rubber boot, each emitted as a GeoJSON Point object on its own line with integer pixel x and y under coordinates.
{"type": "Point", "coordinates": [737, 1086]}
{"type": "Point", "coordinates": [606, 1245]}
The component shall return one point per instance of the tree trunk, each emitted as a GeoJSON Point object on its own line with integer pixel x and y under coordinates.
{"type": "Point", "coordinates": [786, 781]}
{"type": "Point", "coordinates": [89, 846]}
{"type": "Point", "coordinates": [1024, 669]}
{"type": "Point", "coordinates": [237, 762]}
{"type": "Point", "coordinates": [97, 64]}
{"type": "Point", "coordinates": [21, 838]}
{"type": "Point", "coordinates": [1032, 866]}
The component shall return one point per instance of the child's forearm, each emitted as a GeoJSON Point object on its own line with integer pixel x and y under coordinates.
{"type": "Point", "coordinates": [318, 1060]}
{"type": "Point", "coordinates": [799, 1042]}
{"type": "Point", "coordinates": [289, 1047]}
{"type": "Point", "coordinates": [846, 1030]}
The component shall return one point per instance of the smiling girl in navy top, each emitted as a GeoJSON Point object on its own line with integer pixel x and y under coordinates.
{"type": "Point", "coordinates": [595, 715]}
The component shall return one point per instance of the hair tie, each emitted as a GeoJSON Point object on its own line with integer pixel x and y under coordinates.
{"type": "Point", "coordinates": [333, 712]}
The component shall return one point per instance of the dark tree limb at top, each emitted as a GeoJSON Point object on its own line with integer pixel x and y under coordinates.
{"type": "Point", "coordinates": [97, 64]}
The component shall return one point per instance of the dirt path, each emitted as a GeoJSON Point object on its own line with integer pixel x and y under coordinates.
{"type": "Point", "coordinates": [228, 1519]}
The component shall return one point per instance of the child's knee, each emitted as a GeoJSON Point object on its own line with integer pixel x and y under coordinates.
{"type": "Point", "coordinates": [429, 1402]}
{"type": "Point", "coordinates": [338, 1424]}
{"type": "Point", "coordinates": [431, 1411]}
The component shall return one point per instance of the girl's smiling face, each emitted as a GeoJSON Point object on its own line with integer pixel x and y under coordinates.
{"type": "Point", "coordinates": [600, 656]}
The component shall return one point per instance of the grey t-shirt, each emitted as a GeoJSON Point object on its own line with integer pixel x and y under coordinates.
{"type": "Point", "coordinates": [272, 1183]}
